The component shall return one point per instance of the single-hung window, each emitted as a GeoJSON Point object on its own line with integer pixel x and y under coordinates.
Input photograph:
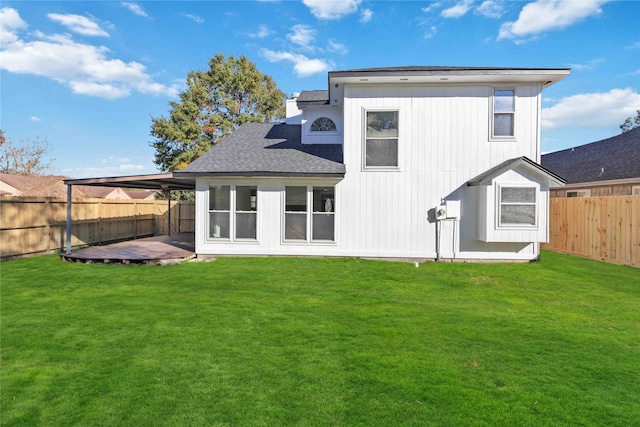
{"type": "Point", "coordinates": [246, 209]}
{"type": "Point", "coordinates": [504, 107]}
{"type": "Point", "coordinates": [517, 206]}
{"type": "Point", "coordinates": [219, 211]}
{"type": "Point", "coordinates": [381, 139]}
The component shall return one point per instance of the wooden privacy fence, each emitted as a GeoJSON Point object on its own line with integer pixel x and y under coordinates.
{"type": "Point", "coordinates": [604, 228]}
{"type": "Point", "coordinates": [37, 225]}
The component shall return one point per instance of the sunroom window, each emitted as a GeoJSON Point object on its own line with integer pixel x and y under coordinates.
{"type": "Point", "coordinates": [504, 103]}
{"type": "Point", "coordinates": [309, 214]}
{"type": "Point", "coordinates": [242, 219]}
{"type": "Point", "coordinates": [517, 206]}
{"type": "Point", "coordinates": [219, 211]}
{"type": "Point", "coordinates": [381, 139]}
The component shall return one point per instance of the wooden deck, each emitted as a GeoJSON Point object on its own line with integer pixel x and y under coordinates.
{"type": "Point", "coordinates": [151, 250]}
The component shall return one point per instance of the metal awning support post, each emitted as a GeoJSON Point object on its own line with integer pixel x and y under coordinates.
{"type": "Point", "coordinates": [169, 211]}
{"type": "Point", "coordinates": [68, 242]}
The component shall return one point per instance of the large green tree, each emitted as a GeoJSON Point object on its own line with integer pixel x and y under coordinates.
{"type": "Point", "coordinates": [216, 101]}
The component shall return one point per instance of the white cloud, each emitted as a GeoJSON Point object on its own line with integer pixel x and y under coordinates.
{"type": "Point", "coordinates": [10, 24]}
{"type": "Point", "coordinates": [195, 18]}
{"type": "Point", "coordinates": [432, 6]}
{"type": "Point", "coordinates": [35, 119]}
{"type": "Point", "coordinates": [458, 10]}
{"type": "Point", "coordinates": [366, 15]}
{"type": "Point", "coordinates": [337, 48]}
{"type": "Point", "coordinates": [303, 36]}
{"type": "Point", "coordinates": [135, 8]}
{"type": "Point", "coordinates": [601, 109]}
{"type": "Point", "coordinates": [323, 9]}
{"type": "Point", "coordinates": [430, 32]}
{"type": "Point", "coordinates": [302, 65]}
{"type": "Point", "coordinates": [85, 68]}
{"type": "Point", "coordinates": [490, 9]}
{"type": "Point", "coordinates": [79, 24]}
{"type": "Point", "coordinates": [546, 15]}
{"type": "Point", "coordinates": [263, 32]}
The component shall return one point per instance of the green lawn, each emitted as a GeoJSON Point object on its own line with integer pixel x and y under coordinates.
{"type": "Point", "coordinates": [320, 342]}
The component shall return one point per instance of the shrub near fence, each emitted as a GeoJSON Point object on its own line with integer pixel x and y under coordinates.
{"type": "Point", "coordinates": [37, 225]}
{"type": "Point", "coordinates": [604, 228]}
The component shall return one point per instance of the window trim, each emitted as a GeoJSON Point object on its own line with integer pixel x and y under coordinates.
{"type": "Point", "coordinates": [365, 111]}
{"type": "Point", "coordinates": [493, 112]}
{"type": "Point", "coordinates": [309, 213]}
{"type": "Point", "coordinates": [499, 204]}
{"type": "Point", "coordinates": [233, 211]}
{"type": "Point", "coordinates": [634, 189]}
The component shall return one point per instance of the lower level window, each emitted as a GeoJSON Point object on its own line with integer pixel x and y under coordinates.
{"type": "Point", "coordinates": [309, 213]}
{"type": "Point", "coordinates": [233, 212]}
{"type": "Point", "coordinates": [517, 206]}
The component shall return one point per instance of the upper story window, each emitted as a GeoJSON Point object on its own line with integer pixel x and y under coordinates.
{"type": "Point", "coordinates": [517, 206]}
{"type": "Point", "coordinates": [504, 107]}
{"type": "Point", "coordinates": [381, 139]}
{"type": "Point", "coordinates": [323, 124]}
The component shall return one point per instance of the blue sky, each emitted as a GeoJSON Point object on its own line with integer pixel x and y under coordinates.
{"type": "Point", "coordinates": [88, 76]}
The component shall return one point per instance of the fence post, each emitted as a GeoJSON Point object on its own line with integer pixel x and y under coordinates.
{"type": "Point", "coordinates": [68, 237]}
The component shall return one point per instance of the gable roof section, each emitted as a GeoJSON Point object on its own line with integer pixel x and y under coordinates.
{"type": "Point", "coordinates": [313, 97]}
{"type": "Point", "coordinates": [486, 178]}
{"type": "Point", "coordinates": [267, 149]}
{"type": "Point", "coordinates": [613, 158]}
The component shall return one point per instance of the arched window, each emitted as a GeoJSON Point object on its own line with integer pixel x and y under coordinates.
{"type": "Point", "coordinates": [323, 124]}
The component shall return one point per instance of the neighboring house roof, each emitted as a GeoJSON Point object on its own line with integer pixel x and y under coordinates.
{"type": "Point", "coordinates": [487, 177]}
{"type": "Point", "coordinates": [36, 185]}
{"type": "Point", "coordinates": [141, 194]}
{"type": "Point", "coordinates": [613, 158]}
{"type": "Point", "coordinates": [267, 149]}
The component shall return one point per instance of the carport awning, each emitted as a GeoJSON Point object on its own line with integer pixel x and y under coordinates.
{"type": "Point", "coordinates": [162, 181]}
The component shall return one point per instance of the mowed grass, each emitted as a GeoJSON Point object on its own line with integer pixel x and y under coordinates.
{"type": "Point", "coordinates": [320, 342]}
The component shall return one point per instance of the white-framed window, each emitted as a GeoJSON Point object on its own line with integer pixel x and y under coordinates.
{"type": "Point", "coordinates": [381, 139]}
{"type": "Point", "coordinates": [579, 193]}
{"type": "Point", "coordinates": [517, 205]}
{"type": "Point", "coordinates": [309, 213]}
{"type": "Point", "coordinates": [323, 124]}
{"type": "Point", "coordinates": [233, 212]}
{"type": "Point", "coordinates": [635, 191]}
{"type": "Point", "coordinates": [503, 111]}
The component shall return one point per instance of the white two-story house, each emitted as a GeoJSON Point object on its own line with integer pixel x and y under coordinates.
{"type": "Point", "coordinates": [401, 162]}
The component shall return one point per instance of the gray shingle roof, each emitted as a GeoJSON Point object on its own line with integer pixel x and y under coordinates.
{"type": "Point", "coordinates": [267, 149]}
{"type": "Point", "coordinates": [314, 96]}
{"type": "Point", "coordinates": [487, 176]}
{"type": "Point", "coordinates": [617, 157]}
